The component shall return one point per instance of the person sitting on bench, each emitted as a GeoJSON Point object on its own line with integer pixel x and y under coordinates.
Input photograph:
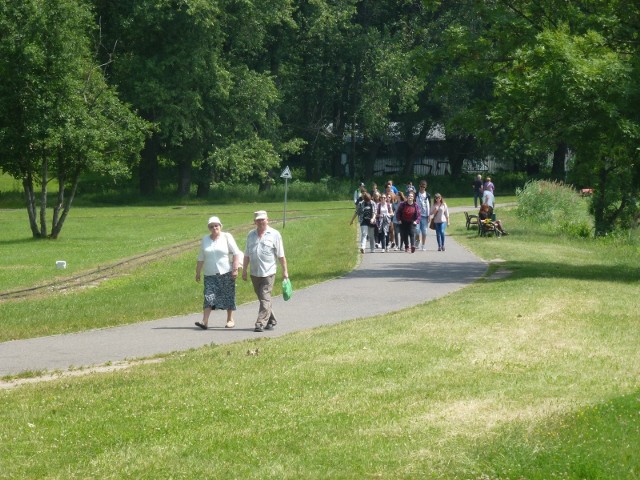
{"type": "Point", "coordinates": [486, 213]}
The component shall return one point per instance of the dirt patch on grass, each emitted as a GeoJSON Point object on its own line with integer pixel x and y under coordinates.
{"type": "Point", "coordinates": [112, 367]}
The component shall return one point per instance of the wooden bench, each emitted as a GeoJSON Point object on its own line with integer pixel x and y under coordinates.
{"type": "Point", "coordinates": [471, 220]}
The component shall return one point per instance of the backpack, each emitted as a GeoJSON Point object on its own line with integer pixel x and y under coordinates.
{"type": "Point", "coordinates": [367, 212]}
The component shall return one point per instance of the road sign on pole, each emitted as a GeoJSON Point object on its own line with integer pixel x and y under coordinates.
{"type": "Point", "coordinates": [286, 174]}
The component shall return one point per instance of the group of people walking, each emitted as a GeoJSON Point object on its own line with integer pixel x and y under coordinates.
{"type": "Point", "coordinates": [389, 220]}
{"type": "Point", "coordinates": [483, 191]}
{"type": "Point", "coordinates": [393, 220]}
{"type": "Point", "coordinates": [219, 260]}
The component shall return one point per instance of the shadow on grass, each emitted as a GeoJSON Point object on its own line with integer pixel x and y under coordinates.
{"type": "Point", "coordinates": [23, 241]}
{"type": "Point", "coordinates": [606, 273]}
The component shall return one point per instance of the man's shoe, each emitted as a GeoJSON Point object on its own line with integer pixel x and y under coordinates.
{"type": "Point", "coordinates": [270, 326]}
{"type": "Point", "coordinates": [230, 324]}
{"type": "Point", "coordinates": [201, 325]}
{"type": "Point", "coordinates": [258, 328]}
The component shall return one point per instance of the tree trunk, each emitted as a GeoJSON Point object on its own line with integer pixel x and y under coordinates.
{"type": "Point", "coordinates": [203, 189]}
{"type": "Point", "coordinates": [57, 226]}
{"type": "Point", "coordinates": [458, 149]}
{"type": "Point", "coordinates": [416, 148]}
{"type": "Point", "coordinates": [148, 168]}
{"type": "Point", "coordinates": [203, 179]}
{"type": "Point", "coordinates": [60, 201]}
{"type": "Point", "coordinates": [599, 202]}
{"type": "Point", "coordinates": [184, 177]}
{"type": "Point", "coordinates": [370, 153]}
{"type": "Point", "coordinates": [43, 197]}
{"type": "Point", "coordinates": [559, 156]}
{"type": "Point", "coordinates": [30, 197]}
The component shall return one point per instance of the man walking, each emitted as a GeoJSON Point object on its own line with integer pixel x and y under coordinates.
{"type": "Point", "coordinates": [264, 246]}
{"type": "Point", "coordinates": [478, 190]}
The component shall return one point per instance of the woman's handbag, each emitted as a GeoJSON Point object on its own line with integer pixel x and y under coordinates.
{"type": "Point", "coordinates": [432, 224]}
{"type": "Point", "coordinates": [287, 289]}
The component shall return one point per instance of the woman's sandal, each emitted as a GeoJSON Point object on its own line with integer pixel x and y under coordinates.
{"type": "Point", "coordinates": [201, 325]}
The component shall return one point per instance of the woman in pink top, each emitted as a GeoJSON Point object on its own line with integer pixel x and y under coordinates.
{"type": "Point", "coordinates": [440, 213]}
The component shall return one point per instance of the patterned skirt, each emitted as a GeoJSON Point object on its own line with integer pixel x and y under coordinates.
{"type": "Point", "coordinates": [219, 292]}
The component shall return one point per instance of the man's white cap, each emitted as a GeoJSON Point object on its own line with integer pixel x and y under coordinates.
{"type": "Point", "coordinates": [260, 215]}
{"type": "Point", "coordinates": [214, 220]}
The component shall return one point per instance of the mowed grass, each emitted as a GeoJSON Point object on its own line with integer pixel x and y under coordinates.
{"type": "Point", "coordinates": [533, 375]}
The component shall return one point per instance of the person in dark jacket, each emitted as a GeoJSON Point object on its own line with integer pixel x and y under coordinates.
{"type": "Point", "coordinates": [408, 214]}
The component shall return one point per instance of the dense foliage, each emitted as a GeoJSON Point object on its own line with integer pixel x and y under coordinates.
{"type": "Point", "coordinates": [235, 90]}
{"type": "Point", "coordinates": [555, 205]}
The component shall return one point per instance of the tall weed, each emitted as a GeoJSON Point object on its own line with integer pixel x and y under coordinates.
{"type": "Point", "coordinates": [555, 204]}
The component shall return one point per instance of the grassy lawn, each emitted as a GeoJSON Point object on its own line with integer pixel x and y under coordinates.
{"type": "Point", "coordinates": [533, 375]}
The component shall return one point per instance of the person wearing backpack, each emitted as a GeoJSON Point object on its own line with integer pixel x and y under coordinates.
{"type": "Point", "coordinates": [409, 215]}
{"type": "Point", "coordinates": [366, 213]}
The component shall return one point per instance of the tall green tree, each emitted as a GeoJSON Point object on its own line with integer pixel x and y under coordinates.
{"type": "Point", "coordinates": [347, 75]}
{"type": "Point", "coordinates": [194, 69]}
{"type": "Point", "coordinates": [576, 83]}
{"type": "Point", "coordinates": [58, 117]}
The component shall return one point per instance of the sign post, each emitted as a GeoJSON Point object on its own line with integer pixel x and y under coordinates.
{"type": "Point", "coordinates": [286, 174]}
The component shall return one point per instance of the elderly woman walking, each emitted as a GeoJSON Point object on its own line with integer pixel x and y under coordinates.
{"type": "Point", "coordinates": [220, 272]}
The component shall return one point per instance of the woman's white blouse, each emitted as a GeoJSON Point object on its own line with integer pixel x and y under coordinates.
{"type": "Point", "coordinates": [215, 253]}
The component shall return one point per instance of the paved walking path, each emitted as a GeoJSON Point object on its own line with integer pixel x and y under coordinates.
{"type": "Point", "coordinates": [409, 279]}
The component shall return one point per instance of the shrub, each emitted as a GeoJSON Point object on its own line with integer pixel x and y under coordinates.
{"type": "Point", "coordinates": [555, 204]}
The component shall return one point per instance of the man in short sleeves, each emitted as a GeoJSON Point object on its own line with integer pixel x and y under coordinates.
{"type": "Point", "coordinates": [263, 250]}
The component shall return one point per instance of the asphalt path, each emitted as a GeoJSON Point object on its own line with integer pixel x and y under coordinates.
{"type": "Point", "coordinates": [409, 279]}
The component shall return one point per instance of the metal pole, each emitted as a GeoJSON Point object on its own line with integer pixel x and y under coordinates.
{"type": "Point", "coordinates": [284, 215]}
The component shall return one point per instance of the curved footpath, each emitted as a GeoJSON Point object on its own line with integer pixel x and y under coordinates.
{"type": "Point", "coordinates": [410, 279]}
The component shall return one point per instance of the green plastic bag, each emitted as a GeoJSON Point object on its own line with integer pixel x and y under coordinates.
{"type": "Point", "coordinates": [287, 289]}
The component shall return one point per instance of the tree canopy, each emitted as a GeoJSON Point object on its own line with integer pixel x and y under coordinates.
{"type": "Point", "coordinates": [58, 115]}
{"type": "Point", "coordinates": [233, 89]}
